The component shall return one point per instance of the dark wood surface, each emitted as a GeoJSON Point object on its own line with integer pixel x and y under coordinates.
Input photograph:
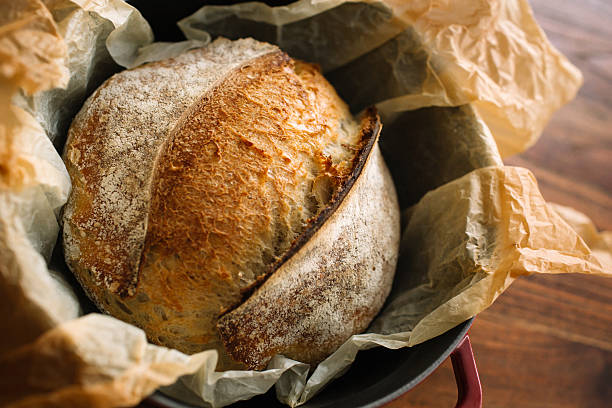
{"type": "Point", "coordinates": [547, 341]}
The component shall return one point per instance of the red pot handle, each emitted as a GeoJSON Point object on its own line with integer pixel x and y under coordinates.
{"type": "Point", "coordinates": [466, 374]}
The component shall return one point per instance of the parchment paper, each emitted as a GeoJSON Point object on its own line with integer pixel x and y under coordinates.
{"type": "Point", "coordinates": [470, 227]}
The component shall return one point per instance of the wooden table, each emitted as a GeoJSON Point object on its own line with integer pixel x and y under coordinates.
{"type": "Point", "coordinates": [547, 341]}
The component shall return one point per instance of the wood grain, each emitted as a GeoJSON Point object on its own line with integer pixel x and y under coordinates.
{"type": "Point", "coordinates": [547, 341]}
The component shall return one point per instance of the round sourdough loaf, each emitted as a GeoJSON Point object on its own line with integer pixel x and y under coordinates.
{"type": "Point", "coordinates": [227, 199]}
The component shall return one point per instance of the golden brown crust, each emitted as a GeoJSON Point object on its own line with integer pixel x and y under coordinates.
{"type": "Point", "coordinates": [229, 185]}
{"type": "Point", "coordinates": [233, 189]}
{"type": "Point", "coordinates": [110, 154]}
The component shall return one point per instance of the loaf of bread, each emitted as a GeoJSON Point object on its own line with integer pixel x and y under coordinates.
{"type": "Point", "coordinates": [227, 199]}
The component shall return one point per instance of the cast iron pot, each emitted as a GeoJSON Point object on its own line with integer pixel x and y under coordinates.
{"type": "Point", "coordinates": [379, 375]}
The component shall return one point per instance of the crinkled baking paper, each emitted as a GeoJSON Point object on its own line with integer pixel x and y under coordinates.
{"type": "Point", "coordinates": [456, 82]}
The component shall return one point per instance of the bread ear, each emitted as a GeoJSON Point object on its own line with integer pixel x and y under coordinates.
{"type": "Point", "coordinates": [335, 282]}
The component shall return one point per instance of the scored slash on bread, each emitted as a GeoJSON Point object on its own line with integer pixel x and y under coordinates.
{"type": "Point", "coordinates": [334, 280]}
{"type": "Point", "coordinates": [198, 178]}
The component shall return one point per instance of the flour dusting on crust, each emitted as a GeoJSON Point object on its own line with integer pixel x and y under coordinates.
{"type": "Point", "coordinates": [106, 216]}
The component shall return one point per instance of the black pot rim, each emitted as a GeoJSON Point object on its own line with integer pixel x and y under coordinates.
{"type": "Point", "coordinates": [160, 400]}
